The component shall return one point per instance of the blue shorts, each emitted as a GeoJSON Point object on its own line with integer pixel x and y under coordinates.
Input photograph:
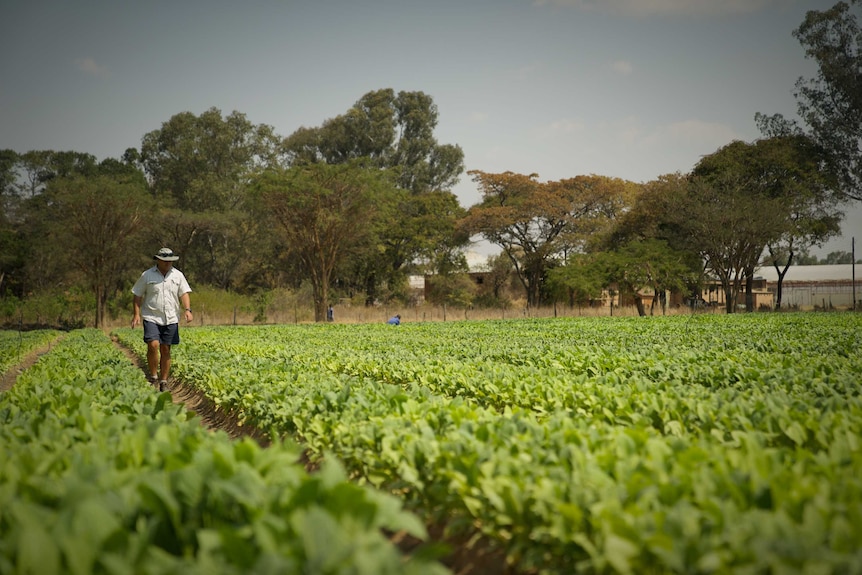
{"type": "Point", "coordinates": [165, 334]}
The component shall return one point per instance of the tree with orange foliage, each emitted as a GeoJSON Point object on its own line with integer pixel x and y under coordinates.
{"type": "Point", "coordinates": [538, 224]}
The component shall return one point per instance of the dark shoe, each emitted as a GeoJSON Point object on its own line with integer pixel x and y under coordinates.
{"type": "Point", "coordinates": [163, 385]}
{"type": "Point", "coordinates": [153, 380]}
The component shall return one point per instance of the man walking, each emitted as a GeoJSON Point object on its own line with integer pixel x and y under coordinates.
{"type": "Point", "coordinates": [159, 293]}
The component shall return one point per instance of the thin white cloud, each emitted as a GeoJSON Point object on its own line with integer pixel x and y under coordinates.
{"type": "Point", "coordinates": [564, 126]}
{"type": "Point", "coordinates": [90, 66]}
{"type": "Point", "coordinates": [524, 73]}
{"type": "Point", "coordinates": [633, 134]}
{"type": "Point", "coordinates": [704, 135]}
{"type": "Point", "coordinates": [623, 67]}
{"type": "Point", "coordinates": [669, 7]}
{"type": "Point", "coordinates": [478, 118]}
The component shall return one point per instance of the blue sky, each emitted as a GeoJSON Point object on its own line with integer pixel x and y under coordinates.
{"type": "Point", "coordinates": [624, 88]}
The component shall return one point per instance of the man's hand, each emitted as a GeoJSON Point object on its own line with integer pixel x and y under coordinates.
{"type": "Point", "coordinates": [189, 316]}
{"type": "Point", "coordinates": [136, 321]}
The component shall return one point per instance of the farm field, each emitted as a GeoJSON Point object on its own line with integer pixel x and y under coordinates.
{"type": "Point", "coordinates": [699, 444]}
{"type": "Point", "coordinates": [100, 474]}
{"type": "Point", "coordinates": [678, 444]}
{"type": "Point", "coordinates": [16, 346]}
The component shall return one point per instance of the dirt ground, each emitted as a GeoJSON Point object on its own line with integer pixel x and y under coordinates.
{"type": "Point", "coordinates": [7, 380]}
{"type": "Point", "coordinates": [467, 557]}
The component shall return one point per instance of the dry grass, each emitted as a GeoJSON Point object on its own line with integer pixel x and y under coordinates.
{"type": "Point", "coordinates": [409, 314]}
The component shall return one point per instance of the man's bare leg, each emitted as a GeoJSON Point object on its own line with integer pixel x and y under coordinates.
{"type": "Point", "coordinates": [153, 359]}
{"type": "Point", "coordinates": [164, 362]}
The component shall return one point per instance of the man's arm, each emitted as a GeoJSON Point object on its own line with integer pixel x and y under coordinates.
{"type": "Point", "coordinates": [187, 305]}
{"type": "Point", "coordinates": [136, 317]}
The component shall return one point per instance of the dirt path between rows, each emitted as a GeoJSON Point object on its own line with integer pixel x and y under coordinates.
{"type": "Point", "coordinates": [210, 415]}
{"type": "Point", "coordinates": [8, 379]}
{"type": "Point", "coordinates": [466, 558]}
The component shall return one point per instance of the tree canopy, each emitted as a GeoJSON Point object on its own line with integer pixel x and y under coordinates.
{"type": "Point", "coordinates": [322, 211]}
{"type": "Point", "coordinates": [775, 193]}
{"type": "Point", "coordinates": [831, 103]}
{"type": "Point", "coordinates": [536, 224]}
{"type": "Point", "coordinates": [393, 131]}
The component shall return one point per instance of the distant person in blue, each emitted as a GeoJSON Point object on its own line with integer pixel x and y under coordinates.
{"type": "Point", "coordinates": [394, 320]}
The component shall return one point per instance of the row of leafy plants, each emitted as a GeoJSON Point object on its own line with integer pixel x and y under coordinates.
{"type": "Point", "coordinates": [688, 445]}
{"type": "Point", "coordinates": [99, 474]}
{"type": "Point", "coordinates": [16, 345]}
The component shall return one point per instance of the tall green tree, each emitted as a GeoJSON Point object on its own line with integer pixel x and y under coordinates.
{"type": "Point", "coordinates": [789, 172]}
{"type": "Point", "coordinates": [393, 132]}
{"type": "Point", "coordinates": [729, 226]}
{"type": "Point", "coordinates": [204, 163]}
{"type": "Point", "coordinates": [322, 211]}
{"type": "Point", "coordinates": [29, 263]}
{"type": "Point", "coordinates": [810, 205]}
{"type": "Point", "coordinates": [94, 224]}
{"type": "Point", "coordinates": [38, 167]}
{"type": "Point", "coordinates": [644, 264]}
{"type": "Point", "coordinates": [655, 217]}
{"type": "Point", "coordinates": [9, 245]}
{"type": "Point", "coordinates": [200, 168]}
{"type": "Point", "coordinates": [831, 103]}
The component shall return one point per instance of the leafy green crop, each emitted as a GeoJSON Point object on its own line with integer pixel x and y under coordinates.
{"type": "Point", "coordinates": [695, 444]}
{"type": "Point", "coordinates": [99, 474]}
{"type": "Point", "coordinates": [16, 345]}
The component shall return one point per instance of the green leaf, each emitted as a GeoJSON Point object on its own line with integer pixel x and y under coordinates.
{"type": "Point", "coordinates": [91, 524]}
{"type": "Point", "coordinates": [619, 552]}
{"type": "Point", "coordinates": [37, 552]}
{"type": "Point", "coordinates": [796, 432]}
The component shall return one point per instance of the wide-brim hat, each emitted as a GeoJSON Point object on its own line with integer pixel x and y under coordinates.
{"type": "Point", "coordinates": [166, 255]}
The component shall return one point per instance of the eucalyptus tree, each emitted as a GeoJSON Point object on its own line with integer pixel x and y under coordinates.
{"type": "Point", "coordinates": [831, 103]}
{"type": "Point", "coordinates": [393, 132]}
{"type": "Point", "coordinates": [204, 163]}
{"type": "Point", "coordinates": [199, 169]}
{"type": "Point", "coordinates": [37, 167]}
{"type": "Point", "coordinates": [25, 178]}
{"type": "Point", "coordinates": [9, 244]}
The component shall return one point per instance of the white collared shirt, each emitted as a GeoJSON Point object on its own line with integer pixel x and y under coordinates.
{"type": "Point", "coordinates": [161, 295]}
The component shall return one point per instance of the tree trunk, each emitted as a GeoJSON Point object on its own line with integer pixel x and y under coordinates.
{"type": "Point", "coordinates": [729, 299]}
{"type": "Point", "coordinates": [779, 289]}
{"type": "Point", "coordinates": [639, 304]}
{"type": "Point", "coordinates": [370, 289]}
{"type": "Point", "coordinates": [749, 292]}
{"type": "Point", "coordinates": [319, 288]}
{"type": "Point", "coordinates": [100, 307]}
{"type": "Point", "coordinates": [533, 282]}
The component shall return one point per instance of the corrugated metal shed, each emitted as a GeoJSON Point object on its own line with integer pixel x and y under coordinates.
{"type": "Point", "coordinates": [824, 273]}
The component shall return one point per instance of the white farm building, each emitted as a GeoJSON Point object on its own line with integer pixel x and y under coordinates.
{"type": "Point", "coordinates": [810, 287]}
